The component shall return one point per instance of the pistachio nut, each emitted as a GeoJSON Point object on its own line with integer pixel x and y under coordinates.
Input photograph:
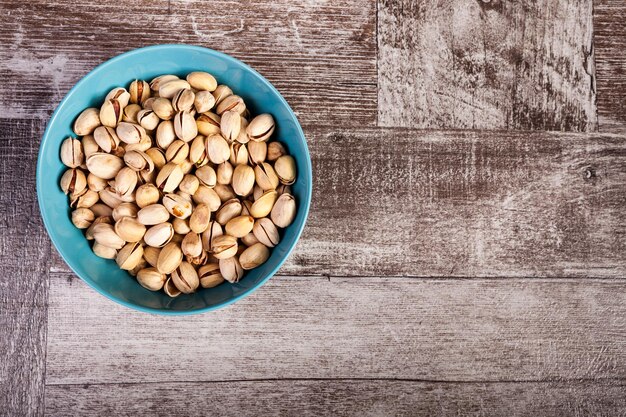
{"type": "Point", "coordinates": [185, 278]}
{"type": "Point", "coordinates": [197, 151]}
{"type": "Point", "coordinates": [159, 235]}
{"type": "Point", "coordinates": [156, 82]}
{"type": "Point", "coordinates": [261, 128]}
{"type": "Point", "coordinates": [191, 245]}
{"type": "Point", "coordinates": [125, 210]}
{"type": "Point", "coordinates": [284, 210]}
{"type": "Point", "coordinates": [96, 183]}
{"type": "Point", "coordinates": [275, 150]}
{"type": "Point", "coordinates": [186, 166]}
{"type": "Point", "coordinates": [204, 101]}
{"type": "Point", "coordinates": [146, 177]}
{"type": "Point", "coordinates": [85, 200]}
{"type": "Point", "coordinates": [101, 210]}
{"type": "Point", "coordinates": [243, 180]}
{"type": "Point", "coordinates": [249, 239]}
{"type": "Point", "coordinates": [98, 220]}
{"type": "Point", "coordinates": [224, 246]}
{"type": "Point", "coordinates": [254, 256]}
{"type": "Point", "coordinates": [185, 126]}
{"type": "Point", "coordinates": [110, 112]}
{"type": "Point", "coordinates": [129, 256]}
{"type": "Point", "coordinates": [213, 230]}
{"type": "Point", "coordinates": [73, 181]}
{"type": "Point", "coordinates": [105, 235]}
{"type": "Point", "coordinates": [169, 177]}
{"type": "Point", "coordinates": [110, 197]}
{"type": "Point", "coordinates": [257, 192]}
{"type": "Point", "coordinates": [230, 125]}
{"type": "Point", "coordinates": [177, 152]}
{"type": "Point", "coordinates": [189, 184]}
{"type": "Point", "coordinates": [170, 289]}
{"type": "Point", "coordinates": [72, 153]}
{"type": "Point", "coordinates": [183, 100]}
{"type": "Point", "coordinates": [104, 251]}
{"type": "Point", "coordinates": [239, 226]}
{"type": "Point", "coordinates": [130, 132]}
{"type": "Point", "coordinates": [139, 91]}
{"type": "Point", "coordinates": [120, 94]}
{"type": "Point", "coordinates": [181, 226]}
{"type": "Point", "coordinates": [200, 218]}
{"type": "Point", "coordinates": [147, 103]}
{"type": "Point", "coordinates": [231, 269]}
{"type": "Point", "coordinates": [210, 275]}
{"type": "Point", "coordinates": [231, 103]}
{"type": "Point", "coordinates": [265, 176]}
{"type": "Point", "coordinates": [257, 151]}
{"type": "Point", "coordinates": [106, 138]}
{"type": "Point", "coordinates": [125, 181]}
{"type": "Point", "coordinates": [163, 108]}
{"type": "Point", "coordinates": [207, 176]}
{"type": "Point", "coordinates": [224, 192]}
{"type": "Point", "coordinates": [285, 167]}
{"type": "Point", "coordinates": [87, 122]}
{"type": "Point", "coordinates": [177, 206]}
{"type": "Point", "coordinates": [89, 146]}
{"type": "Point", "coordinates": [202, 81]}
{"type": "Point", "coordinates": [170, 88]}
{"type": "Point", "coordinates": [282, 189]}
{"type": "Point", "coordinates": [266, 232]}
{"type": "Point", "coordinates": [143, 145]}
{"type": "Point", "coordinates": [138, 161]}
{"type": "Point", "coordinates": [263, 205]}
{"type": "Point", "coordinates": [170, 258]}
{"type": "Point", "coordinates": [153, 214]}
{"type": "Point", "coordinates": [148, 119]}
{"type": "Point", "coordinates": [224, 173]}
{"type": "Point", "coordinates": [229, 210]}
{"type": "Point", "coordinates": [206, 195]}
{"type": "Point", "coordinates": [151, 279]}
{"type": "Point", "coordinates": [157, 156]}
{"type": "Point", "coordinates": [243, 136]}
{"type": "Point", "coordinates": [238, 153]}
{"type": "Point", "coordinates": [221, 92]}
{"type": "Point", "coordinates": [82, 218]}
{"type": "Point", "coordinates": [146, 195]}
{"type": "Point", "coordinates": [130, 229]}
{"type": "Point", "coordinates": [151, 255]}
{"type": "Point", "coordinates": [129, 114]}
{"type": "Point", "coordinates": [208, 124]}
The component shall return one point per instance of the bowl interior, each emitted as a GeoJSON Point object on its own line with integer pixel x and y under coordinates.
{"type": "Point", "coordinates": [146, 63]}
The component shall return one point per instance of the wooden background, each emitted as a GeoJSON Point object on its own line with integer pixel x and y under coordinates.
{"type": "Point", "coordinates": [466, 248]}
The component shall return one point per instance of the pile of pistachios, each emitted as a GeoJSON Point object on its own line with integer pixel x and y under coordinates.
{"type": "Point", "coordinates": [175, 181]}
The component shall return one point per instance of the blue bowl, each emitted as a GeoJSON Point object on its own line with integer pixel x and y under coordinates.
{"type": "Point", "coordinates": [146, 63]}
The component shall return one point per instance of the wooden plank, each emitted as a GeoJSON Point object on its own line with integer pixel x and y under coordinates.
{"type": "Point", "coordinates": [339, 398]}
{"type": "Point", "coordinates": [486, 64]}
{"type": "Point", "coordinates": [322, 57]}
{"type": "Point", "coordinates": [374, 328]}
{"type": "Point", "coordinates": [24, 255]}
{"type": "Point", "coordinates": [468, 204]}
{"type": "Point", "coordinates": [610, 44]}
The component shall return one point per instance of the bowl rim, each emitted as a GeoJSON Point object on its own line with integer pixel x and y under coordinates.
{"type": "Point", "coordinates": [305, 205]}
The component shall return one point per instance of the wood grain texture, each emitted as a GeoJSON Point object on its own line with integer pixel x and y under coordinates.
{"type": "Point", "coordinates": [486, 64]}
{"type": "Point", "coordinates": [610, 45]}
{"type": "Point", "coordinates": [318, 54]}
{"type": "Point", "coordinates": [298, 327]}
{"type": "Point", "coordinates": [466, 204]}
{"type": "Point", "coordinates": [339, 398]}
{"type": "Point", "coordinates": [24, 256]}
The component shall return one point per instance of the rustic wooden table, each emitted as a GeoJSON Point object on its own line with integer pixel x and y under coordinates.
{"type": "Point", "coordinates": [466, 248]}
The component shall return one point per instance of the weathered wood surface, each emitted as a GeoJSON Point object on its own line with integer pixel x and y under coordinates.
{"type": "Point", "coordinates": [298, 327]}
{"type": "Point", "coordinates": [24, 256]}
{"type": "Point", "coordinates": [610, 45]}
{"type": "Point", "coordinates": [466, 204]}
{"type": "Point", "coordinates": [321, 56]}
{"type": "Point", "coordinates": [486, 64]}
{"type": "Point", "coordinates": [340, 398]}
